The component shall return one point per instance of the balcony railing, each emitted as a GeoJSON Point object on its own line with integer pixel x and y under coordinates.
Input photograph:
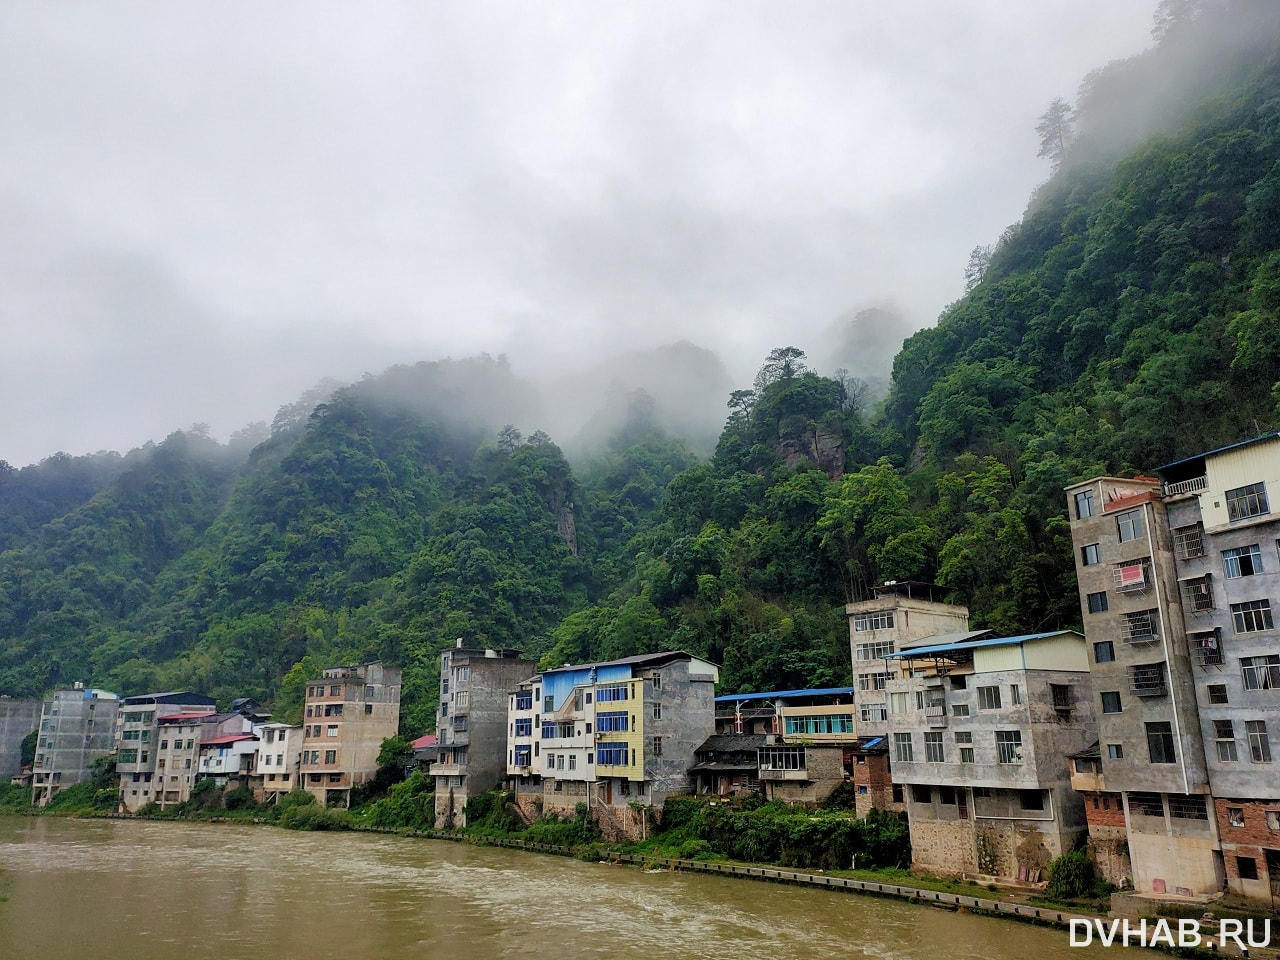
{"type": "Point", "coordinates": [1194, 485]}
{"type": "Point", "coordinates": [1148, 682]}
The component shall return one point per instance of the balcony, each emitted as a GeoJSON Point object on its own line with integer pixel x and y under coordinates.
{"type": "Point", "coordinates": [1148, 681]}
{"type": "Point", "coordinates": [1132, 577]}
{"type": "Point", "coordinates": [446, 769]}
{"type": "Point", "coordinates": [936, 714]}
{"type": "Point", "coordinates": [1183, 487]}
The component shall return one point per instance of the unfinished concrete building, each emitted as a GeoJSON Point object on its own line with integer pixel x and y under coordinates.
{"type": "Point", "coordinates": [980, 732]}
{"type": "Point", "coordinates": [348, 712]}
{"type": "Point", "coordinates": [77, 727]}
{"type": "Point", "coordinates": [1225, 531]}
{"type": "Point", "coordinates": [899, 613]}
{"type": "Point", "coordinates": [1151, 750]}
{"type": "Point", "coordinates": [475, 685]}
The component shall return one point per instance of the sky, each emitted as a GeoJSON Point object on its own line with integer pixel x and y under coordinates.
{"type": "Point", "coordinates": [205, 209]}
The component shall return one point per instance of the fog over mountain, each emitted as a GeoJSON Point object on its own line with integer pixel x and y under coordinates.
{"type": "Point", "coordinates": [206, 209]}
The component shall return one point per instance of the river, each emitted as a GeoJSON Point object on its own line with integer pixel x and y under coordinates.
{"type": "Point", "coordinates": [121, 890]}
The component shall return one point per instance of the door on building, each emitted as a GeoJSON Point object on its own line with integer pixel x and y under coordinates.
{"type": "Point", "coordinates": [962, 803]}
{"type": "Point", "coordinates": [1273, 873]}
{"type": "Point", "coordinates": [608, 791]}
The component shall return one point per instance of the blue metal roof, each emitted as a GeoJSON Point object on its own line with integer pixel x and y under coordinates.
{"type": "Point", "coordinates": [784, 694]}
{"type": "Point", "coordinates": [954, 647]}
{"type": "Point", "coordinates": [1217, 450]}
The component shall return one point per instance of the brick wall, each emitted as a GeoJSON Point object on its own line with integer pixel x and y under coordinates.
{"type": "Point", "coordinates": [1103, 810]}
{"type": "Point", "coordinates": [1251, 840]}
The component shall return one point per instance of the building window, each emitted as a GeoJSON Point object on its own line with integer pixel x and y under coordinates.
{"type": "Point", "coordinates": [1247, 868]}
{"type": "Point", "coordinates": [823, 723]}
{"type": "Point", "coordinates": [1224, 736]}
{"type": "Point", "coordinates": [782, 758]}
{"type": "Point", "coordinates": [1133, 575]}
{"type": "Point", "coordinates": [606, 694]}
{"type": "Point", "coordinates": [524, 727]}
{"type": "Point", "coordinates": [1115, 751]}
{"type": "Point", "coordinates": [1261, 673]}
{"type": "Point", "coordinates": [872, 651]}
{"type": "Point", "coordinates": [1097, 602]}
{"type": "Point", "coordinates": [1104, 651]}
{"type": "Point", "coordinates": [1129, 525]}
{"type": "Point", "coordinates": [657, 681]}
{"type": "Point", "coordinates": [897, 793]}
{"type": "Point", "coordinates": [331, 756]}
{"type": "Point", "coordinates": [1148, 680]}
{"type": "Point", "coordinates": [1246, 502]}
{"type": "Point", "coordinates": [1242, 561]}
{"type": "Point", "coordinates": [1259, 743]}
{"type": "Point", "coordinates": [960, 710]}
{"type": "Point", "coordinates": [1273, 820]}
{"type": "Point", "coordinates": [873, 713]}
{"type": "Point", "coordinates": [611, 754]}
{"type": "Point", "coordinates": [335, 690]}
{"type": "Point", "coordinates": [1197, 594]}
{"type": "Point", "coordinates": [1140, 627]}
{"type": "Point", "coordinates": [1188, 542]}
{"type": "Point", "coordinates": [1090, 554]}
{"type": "Point", "coordinates": [1084, 504]}
{"type": "Point", "coordinates": [559, 761]}
{"type": "Point", "coordinates": [657, 746]}
{"type": "Point", "coordinates": [873, 681]}
{"type": "Point", "coordinates": [1235, 816]}
{"type": "Point", "coordinates": [882, 620]}
{"type": "Point", "coordinates": [902, 748]}
{"type": "Point", "coordinates": [1015, 694]}
{"type": "Point", "coordinates": [524, 700]}
{"type": "Point", "coordinates": [900, 703]}
{"type": "Point", "coordinates": [1008, 746]}
{"type": "Point", "coordinates": [1160, 743]}
{"type": "Point", "coordinates": [1031, 799]}
{"type": "Point", "coordinates": [988, 698]}
{"type": "Point", "coordinates": [1111, 702]}
{"type": "Point", "coordinates": [933, 748]}
{"type": "Point", "coordinates": [1206, 647]}
{"type": "Point", "coordinates": [657, 711]}
{"type": "Point", "coordinates": [332, 731]}
{"type": "Point", "coordinates": [1217, 693]}
{"type": "Point", "coordinates": [609, 722]}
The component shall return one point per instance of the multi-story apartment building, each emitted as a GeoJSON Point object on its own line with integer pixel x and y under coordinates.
{"type": "Point", "coordinates": [197, 745]}
{"type": "Point", "coordinates": [276, 762]}
{"type": "Point", "coordinates": [980, 732]}
{"type": "Point", "coordinates": [348, 712]}
{"type": "Point", "coordinates": [77, 726]}
{"type": "Point", "coordinates": [471, 732]}
{"type": "Point", "coordinates": [899, 614]}
{"type": "Point", "coordinates": [610, 734]}
{"type": "Point", "coordinates": [137, 738]}
{"type": "Point", "coordinates": [1151, 751]}
{"type": "Point", "coordinates": [1223, 511]}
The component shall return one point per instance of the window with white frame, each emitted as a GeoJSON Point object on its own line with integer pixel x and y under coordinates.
{"type": "Point", "coordinates": [1259, 743]}
{"type": "Point", "coordinates": [933, 747]}
{"type": "Point", "coordinates": [1261, 673]}
{"type": "Point", "coordinates": [1242, 561]}
{"type": "Point", "coordinates": [880, 620]}
{"type": "Point", "coordinates": [903, 751]}
{"type": "Point", "coordinates": [1252, 616]}
{"type": "Point", "coordinates": [1129, 525]}
{"type": "Point", "coordinates": [872, 651]}
{"type": "Point", "coordinates": [1009, 746]}
{"type": "Point", "coordinates": [1248, 501]}
{"type": "Point", "coordinates": [1224, 736]}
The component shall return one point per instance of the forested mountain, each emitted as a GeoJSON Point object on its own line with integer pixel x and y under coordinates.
{"type": "Point", "coordinates": [1131, 317]}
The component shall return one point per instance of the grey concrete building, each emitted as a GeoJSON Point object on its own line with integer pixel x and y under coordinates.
{"type": "Point", "coordinates": [1151, 750]}
{"type": "Point", "coordinates": [475, 687]}
{"type": "Point", "coordinates": [18, 720]}
{"type": "Point", "coordinates": [979, 734]}
{"type": "Point", "coordinates": [137, 739]}
{"type": "Point", "coordinates": [900, 613]}
{"type": "Point", "coordinates": [77, 727]}
{"type": "Point", "coordinates": [1224, 521]}
{"type": "Point", "coordinates": [347, 714]}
